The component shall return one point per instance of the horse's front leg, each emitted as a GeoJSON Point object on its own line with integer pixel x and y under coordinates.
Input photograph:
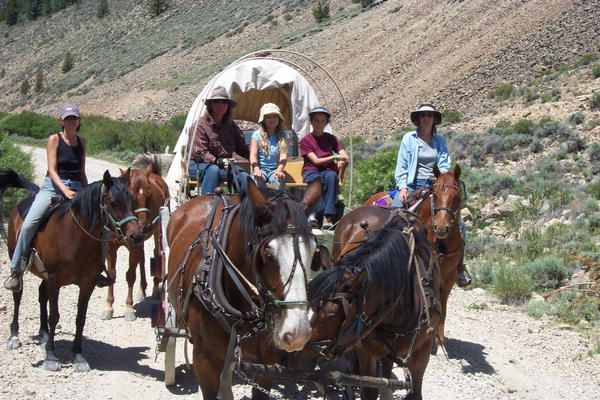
{"type": "Point", "coordinates": [111, 261]}
{"type": "Point", "coordinates": [85, 292]}
{"type": "Point", "coordinates": [136, 255]}
{"type": "Point", "coordinates": [43, 300]}
{"type": "Point", "coordinates": [13, 341]}
{"type": "Point", "coordinates": [51, 362]}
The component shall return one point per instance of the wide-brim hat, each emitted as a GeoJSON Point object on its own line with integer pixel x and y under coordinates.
{"type": "Point", "coordinates": [269, 108]}
{"type": "Point", "coordinates": [219, 93]}
{"type": "Point", "coordinates": [426, 107]}
{"type": "Point", "coordinates": [69, 110]}
{"type": "Point", "coordinates": [319, 110]}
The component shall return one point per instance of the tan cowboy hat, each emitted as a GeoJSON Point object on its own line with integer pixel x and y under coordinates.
{"type": "Point", "coordinates": [426, 107]}
{"type": "Point", "coordinates": [269, 108]}
{"type": "Point", "coordinates": [219, 93]}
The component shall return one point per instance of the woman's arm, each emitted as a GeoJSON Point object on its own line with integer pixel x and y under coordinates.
{"type": "Point", "coordinates": [281, 165]}
{"type": "Point", "coordinates": [256, 171]}
{"type": "Point", "coordinates": [52, 156]}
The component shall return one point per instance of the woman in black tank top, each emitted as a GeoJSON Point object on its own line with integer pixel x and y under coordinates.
{"type": "Point", "coordinates": [66, 175]}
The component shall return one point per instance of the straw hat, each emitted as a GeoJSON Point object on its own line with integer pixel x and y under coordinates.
{"type": "Point", "coordinates": [219, 93]}
{"type": "Point", "coordinates": [426, 107]}
{"type": "Point", "coordinates": [269, 108]}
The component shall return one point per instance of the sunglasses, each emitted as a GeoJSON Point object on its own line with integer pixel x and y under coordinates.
{"type": "Point", "coordinates": [427, 114]}
{"type": "Point", "coordinates": [220, 101]}
{"type": "Point", "coordinates": [71, 118]}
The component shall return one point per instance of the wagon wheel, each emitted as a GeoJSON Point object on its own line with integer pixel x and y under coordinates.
{"type": "Point", "coordinates": [170, 361]}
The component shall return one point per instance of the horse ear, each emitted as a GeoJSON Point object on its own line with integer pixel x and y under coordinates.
{"type": "Point", "coordinates": [148, 170]}
{"type": "Point", "coordinates": [436, 170]}
{"type": "Point", "coordinates": [260, 203]}
{"type": "Point", "coordinates": [106, 180]}
{"type": "Point", "coordinates": [457, 172]}
{"type": "Point", "coordinates": [126, 175]}
{"type": "Point", "coordinates": [321, 259]}
{"type": "Point", "coordinates": [312, 195]}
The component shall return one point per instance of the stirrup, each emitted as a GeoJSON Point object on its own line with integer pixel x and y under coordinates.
{"type": "Point", "coordinates": [463, 279]}
{"type": "Point", "coordinates": [103, 281]}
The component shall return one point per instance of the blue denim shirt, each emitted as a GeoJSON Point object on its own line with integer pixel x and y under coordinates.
{"type": "Point", "coordinates": [406, 164]}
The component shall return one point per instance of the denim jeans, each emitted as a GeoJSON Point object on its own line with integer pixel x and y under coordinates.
{"type": "Point", "coordinates": [269, 178]}
{"type": "Point", "coordinates": [330, 182]}
{"type": "Point", "coordinates": [36, 213]}
{"type": "Point", "coordinates": [412, 187]}
{"type": "Point", "coordinates": [211, 176]}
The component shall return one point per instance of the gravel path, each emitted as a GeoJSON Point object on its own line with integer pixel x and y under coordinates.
{"type": "Point", "coordinates": [494, 351]}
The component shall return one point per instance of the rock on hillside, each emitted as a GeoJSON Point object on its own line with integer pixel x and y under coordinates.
{"type": "Point", "coordinates": [387, 59]}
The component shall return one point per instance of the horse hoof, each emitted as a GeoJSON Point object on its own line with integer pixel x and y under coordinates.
{"type": "Point", "coordinates": [130, 316]}
{"type": "Point", "coordinates": [80, 364]}
{"type": "Point", "coordinates": [51, 365]}
{"type": "Point", "coordinates": [13, 343]}
{"type": "Point", "coordinates": [434, 347]}
{"type": "Point", "coordinates": [43, 336]}
{"type": "Point", "coordinates": [106, 315]}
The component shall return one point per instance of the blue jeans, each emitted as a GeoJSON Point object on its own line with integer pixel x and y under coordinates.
{"type": "Point", "coordinates": [269, 178]}
{"type": "Point", "coordinates": [211, 176]}
{"type": "Point", "coordinates": [330, 182]}
{"type": "Point", "coordinates": [37, 212]}
{"type": "Point", "coordinates": [412, 187]}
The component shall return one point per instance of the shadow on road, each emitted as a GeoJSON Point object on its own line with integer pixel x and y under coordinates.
{"type": "Point", "coordinates": [473, 353]}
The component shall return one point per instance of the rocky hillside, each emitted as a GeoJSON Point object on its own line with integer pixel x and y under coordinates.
{"type": "Point", "coordinates": [387, 59]}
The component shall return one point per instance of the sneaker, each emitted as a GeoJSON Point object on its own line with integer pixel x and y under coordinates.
{"type": "Point", "coordinates": [14, 281]}
{"type": "Point", "coordinates": [313, 223]}
{"type": "Point", "coordinates": [103, 281]}
{"type": "Point", "coordinates": [463, 279]}
{"type": "Point", "coordinates": [327, 223]}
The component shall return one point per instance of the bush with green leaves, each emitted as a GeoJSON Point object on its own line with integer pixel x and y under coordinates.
{"type": "Point", "coordinates": [24, 87]}
{"type": "Point", "coordinates": [594, 189]}
{"type": "Point", "coordinates": [576, 118]}
{"type": "Point", "coordinates": [11, 157]}
{"type": "Point", "coordinates": [321, 11]}
{"type": "Point", "coordinates": [68, 62]}
{"type": "Point", "coordinates": [157, 7]}
{"type": "Point", "coordinates": [546, 272]}
{"type": "Point", "coordinates": [595, 101]}
{"type": "Point", "coordinates": [511, 285]}
{"type": "Point", "coordinates": [374, 175]}
{"type": "Point", "coordinates": [596, 71]}
{"type": "Point", "coordinates": [504, 91]}
{"type": "Point", "coordinates": [29, 124]}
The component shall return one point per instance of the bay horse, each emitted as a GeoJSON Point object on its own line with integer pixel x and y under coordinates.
{"type": "Point", "coordinates": [69, 247]}
{"type": "Point", "coordinates": [439, 209]}
{"type": "Point", "coordinates": [381, 300]}
{"type": "Point", "coordinates": [149, 192]}
{"type": "Point", "coordinates": [238, 278]}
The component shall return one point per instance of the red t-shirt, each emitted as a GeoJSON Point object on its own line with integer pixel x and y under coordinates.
{"type": "Point", "coordinates": [323, 146]}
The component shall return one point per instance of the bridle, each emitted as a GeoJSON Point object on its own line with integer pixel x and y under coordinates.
{"type": "Point", "coordinates": [432, 196]}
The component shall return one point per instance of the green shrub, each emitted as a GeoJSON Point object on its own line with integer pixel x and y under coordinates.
{"type": "Point", "coordinates": [452, 116]}
{"type": "Point", "coordinates": [30, 124]}
{"type": "Point", "coordinates": [595, 101]}
{"type": "Point", "coordinates": [596, 71]}
{"type": "Point", "coordinates": [522, 126]}
{"type": "Point", "coordinates": [374, 175]}
{"type": "Point", "coordinates": [321, 11]}
{"type": "Point", "coordinates": [511, 285]}
{"type": "Point", "coordinates": [11, 157]}
{"type": "Point", "coordinates": [576, 118]}
{"type": "Point", "coordinates": [68, 62]}
{"type": "Point", "coordinates": [504, 91]}
{"type": "Point", "coordinates": [586, 59]}
{"type": "Point", "coordinates": [102, 9]}
{"type": "Point", "coordinates": [287, 17]}
{"type": "Point", "coordinates": [157, 7]}
{"type": "Point", "coordinates": [594, 189]}
{"type": "Point", "coordinates": [551, 128]}
{"type": "Point", "coordinates": [24, 87]}
{"type": "Point", "coordinates": [547, 272]}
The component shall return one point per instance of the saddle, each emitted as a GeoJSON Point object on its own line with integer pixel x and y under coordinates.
{"type": "Point", "coordinates": [416, 198]}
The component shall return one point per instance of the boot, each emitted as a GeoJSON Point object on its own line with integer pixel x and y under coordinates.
{"type": "Point", "coordinates": [15, 280]}
{"type": "Point", "coordinates": [104, 280]}
{"type": "Point", "coordinates": [463, 279]}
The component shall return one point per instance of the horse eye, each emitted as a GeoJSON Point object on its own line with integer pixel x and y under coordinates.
{"type": "Point", "coordinates": [268, 253]}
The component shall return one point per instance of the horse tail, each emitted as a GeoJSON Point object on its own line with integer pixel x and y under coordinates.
{"type": "Point", "coordinates": [9, 178]}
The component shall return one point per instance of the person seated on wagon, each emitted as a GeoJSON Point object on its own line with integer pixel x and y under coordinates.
{"type": "Point", "coordinates": [324, 156]}
{"type": "Point", "coordinates": [213, 138]}
{"type": "Point", "coordinates": [268, 148]}
{"type": "Point", "coordinates": [419, 151]}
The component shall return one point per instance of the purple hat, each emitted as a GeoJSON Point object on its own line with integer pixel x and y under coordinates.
{"type": "Point", "coordinates": [69, 110]}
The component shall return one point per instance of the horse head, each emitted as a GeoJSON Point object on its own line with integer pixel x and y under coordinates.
{"type": "Point", "coordinates": [282, 252]}
{"type": "Point", "coordinates": [446, 201]}
{"type": "Point", "coordinates": [141, 192]}
{"type": "Point", "coordinates": [116, 208]}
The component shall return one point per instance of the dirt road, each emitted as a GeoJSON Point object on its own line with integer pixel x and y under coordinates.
{"type": "Point", "coordinates": [494, 351]}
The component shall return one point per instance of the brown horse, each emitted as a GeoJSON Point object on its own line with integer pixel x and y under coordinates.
{"type": "Point", "coordinates": [381, 300]}
{"type": "Point", "coordinates": [238, 278]}
{"type": "Point", "coordinates": [440, 211]}
{"type": "Point", "coordinates": [68, 245]}
{"type": "Point", "coordinates": [149, 192]}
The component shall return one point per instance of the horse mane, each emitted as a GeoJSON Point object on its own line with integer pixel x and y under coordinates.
{"type": "Point", "coordinates": [141, 161]}
{"type": "Point", "coordinates": [384, 256]}
{"type": "Point", "coordinates": [284, 209]}
{"type": "Point", "coordinates": [86, 205]}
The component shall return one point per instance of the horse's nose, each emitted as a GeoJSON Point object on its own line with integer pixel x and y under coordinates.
{"type": "Point", "coordinates": [295, 341]}
{"type": "Point", "coordinates": [137, 238]}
